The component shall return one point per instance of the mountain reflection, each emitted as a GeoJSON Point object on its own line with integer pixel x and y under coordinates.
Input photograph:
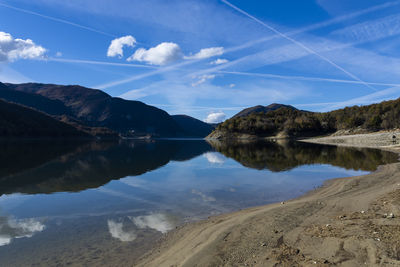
{"type": "Point", "coordinates": [48, 168]}
{"type": "Point", "coordinates": [43, 167]}
{"type": "Point", "coordinates": [285, 155]}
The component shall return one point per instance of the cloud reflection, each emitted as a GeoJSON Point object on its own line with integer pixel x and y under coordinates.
{"type": "Point", "coordinates": [214, 157]}
{"type": "Point", "coordinates": [126, 230]}
{"type": "Point", "coordinates": [157, 221]}
{"type": "Point", "coordinates": [203, 196]}
{"type": "Point", "coordinates": [12, 228]}
{"type": "Point", "coordinates": [116, 230]}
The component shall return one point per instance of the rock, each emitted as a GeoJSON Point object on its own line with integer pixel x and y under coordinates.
{"type": "Point", "coordinates": [391, 215]}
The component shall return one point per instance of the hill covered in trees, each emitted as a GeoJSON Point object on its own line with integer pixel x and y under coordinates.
{"type": "Point", "coordinates": [100, 114]}
{"type": "Point", "coordinates": [288, 122]}
{"type": "Point", "coordinates": [20, 121]}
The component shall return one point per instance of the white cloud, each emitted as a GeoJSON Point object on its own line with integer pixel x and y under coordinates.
{"type": "Point", "coordinates": [59, 54]}
{"type": "Point", "coordinates": [13, 49]}
{"type": "Point", "coordinates": [207, 52]}
{"type": "Point", "coordinates": [219, 61]}
{"type": "Point", "coordinates": [158, 221]}
{"type": "Point", "coordinates": [12, 228]}
{"type": "Point", "coordinates": [215, 117]}
{"type": "Point", "coordinates": [214, 157]}
{"type": "Point", "coordinates": [232, 85]}
{"type": "Point", "coordinates": [162, 54]}
{"type": "Point", "coordinates": [116, 230]}
{"type": "Point", "coordinates": [117, 45]}
{"type": "Point", "coordinates": [202, 79]}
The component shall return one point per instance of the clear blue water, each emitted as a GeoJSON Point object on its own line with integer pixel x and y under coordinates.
{"type": "Point", "coordinates": [107, 203]}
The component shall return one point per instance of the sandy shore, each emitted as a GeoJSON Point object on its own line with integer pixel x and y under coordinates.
{"type": "Point", "coordinates": [373, 140]}
{"type": "Point", "coordinates": [347, 222]}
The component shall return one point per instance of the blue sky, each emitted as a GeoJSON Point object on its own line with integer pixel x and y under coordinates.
{"type": "Point", "coordinates": [209, 58]}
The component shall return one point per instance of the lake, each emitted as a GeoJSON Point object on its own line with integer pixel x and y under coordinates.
{"type": "Point", "coordinates": [106, 203]}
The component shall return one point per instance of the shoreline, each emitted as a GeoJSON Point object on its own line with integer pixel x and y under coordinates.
{"type": "Point", "coordinates": [341, 223]}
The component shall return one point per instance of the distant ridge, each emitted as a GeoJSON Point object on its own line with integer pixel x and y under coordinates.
{"type": "Point", "coordinates": [283, 121]}
{"type": "Point", "coordinates": [192, 126]}
{"type": "Point", "coordinates": [19, 121]}
{"type": "Point", "coordinates": [263, 109]}
{"type": "Point", "coordinates": [94, 111]}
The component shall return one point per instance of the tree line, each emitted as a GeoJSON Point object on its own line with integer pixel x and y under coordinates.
{"type": "Point", "coordinates": [293, 122]}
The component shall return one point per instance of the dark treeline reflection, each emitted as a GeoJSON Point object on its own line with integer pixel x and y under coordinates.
{"type": "Point", "coordinates": [285, 155]}
{"type": "Point", "coordinates": [47, 167]}
{"type": "Point", "coordinates": [43, 167]}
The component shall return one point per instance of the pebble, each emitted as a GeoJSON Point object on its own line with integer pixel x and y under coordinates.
{"type": "Point", "coordinates": [389, 216]}
{"type": "Point", "coordinates": [362, 212]}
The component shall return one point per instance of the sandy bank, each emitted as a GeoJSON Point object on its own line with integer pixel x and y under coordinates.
{"type": "Point", "coordinates": [373, 140]}
{"type": "Point", "coordinates": [342, 224]}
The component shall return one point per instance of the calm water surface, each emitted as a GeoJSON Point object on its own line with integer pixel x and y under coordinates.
{"type": "Point", "coordinates": [107, 203]}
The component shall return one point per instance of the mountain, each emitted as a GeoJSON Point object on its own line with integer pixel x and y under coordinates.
{"type": "Point", "coordinates": [263, 109]}
{"type": "Point", "coordinates": [96, 108]}
{"type": "Point", "coordinates": [38, 102]}
{"type": "Point", "coordinates": [193, 127]}
{"type": "Point", "coordinates": [84, 107]}
{"type": "Point", "coordinates": [20, 121]}
{"type": "Point", "coordinates": [286, 121]}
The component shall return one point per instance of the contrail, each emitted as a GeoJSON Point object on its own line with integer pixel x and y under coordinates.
{"type": "Point", "coordinates": [144, 75]}
{"type": "Point", "coordinates": [285, 36]}
{"type": "Point", "coordinates": [196, 108]}
{"type": "Point", "coordinates": [304, 78]}
{"type": "Point", "coordinates": [93, 62]}
{"type": "Point", "coordinates": [317, 25]}
{"type": "Point", "coordinates": [251, 43]}
{"type": "Point", "coordinates": [58, 20]}
{"type": "Point", "coordinates": [365, 99]}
